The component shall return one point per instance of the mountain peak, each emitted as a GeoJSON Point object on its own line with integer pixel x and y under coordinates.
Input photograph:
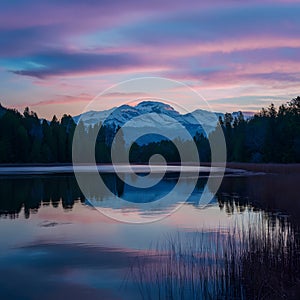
{"type": "Point", "coordinates": [154, 104]}
{"type": "Point", "coordinates": [152, 116]}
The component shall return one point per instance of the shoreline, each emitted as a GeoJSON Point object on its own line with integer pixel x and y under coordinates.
{"type": "Point", "coordinates": [266, 167]}
{"type": "Point", "coordinates": [107, 168]}
{"type": "Point", "coordinates": [260, 167]}
{"type": "Point", "coordinates": [41, 168]}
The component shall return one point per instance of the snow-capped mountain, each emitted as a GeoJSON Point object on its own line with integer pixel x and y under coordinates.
{"type": "Point", "coordinates": [118, 116]}
{"type": "Point", "coordinates": [152, 120]}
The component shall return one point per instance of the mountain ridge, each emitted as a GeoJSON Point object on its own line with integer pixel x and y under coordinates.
{"type": "Point", "coordinates": [153, 118]}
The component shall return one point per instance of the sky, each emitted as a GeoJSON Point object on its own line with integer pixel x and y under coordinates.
{"type": "Point", "coordinates": [57, 55]}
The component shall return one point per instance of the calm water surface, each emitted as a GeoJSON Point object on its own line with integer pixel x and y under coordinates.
{"type": "Point", "coordinates": [55, 244]}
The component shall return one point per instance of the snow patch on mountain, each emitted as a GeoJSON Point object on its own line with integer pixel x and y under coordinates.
{"type": "Point", "coordinates": [151, 118]}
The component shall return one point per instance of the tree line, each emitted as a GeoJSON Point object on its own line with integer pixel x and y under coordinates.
{"type": "Point", "coordinates": [272, 135]}
{"type": "Point", "coordinates": [24, 138]}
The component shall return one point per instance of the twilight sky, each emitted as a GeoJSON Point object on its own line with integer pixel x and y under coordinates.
{"type": "Point", "coordinates": [57, 55]}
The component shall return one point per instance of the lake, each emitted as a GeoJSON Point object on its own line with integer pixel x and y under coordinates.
{"type": "Point", "coordinates": [57, 243]}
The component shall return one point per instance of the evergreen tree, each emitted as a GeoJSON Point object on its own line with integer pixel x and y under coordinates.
{"type": "Point", "coordinates": [272, 135]}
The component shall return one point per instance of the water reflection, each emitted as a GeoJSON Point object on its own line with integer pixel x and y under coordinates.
{"type": "Point", "coordinates": [100, 251]}
{"type": "Point", "coordinates": [29, 193]}
{"type": "Point", "coordinates": [277, 195]}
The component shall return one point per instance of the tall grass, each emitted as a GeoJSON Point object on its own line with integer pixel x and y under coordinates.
{"type": "Point", "coordinates": [257, 261]}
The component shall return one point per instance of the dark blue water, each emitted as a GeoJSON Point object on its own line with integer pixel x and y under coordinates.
{"type": "Point", "coordinates": [55, 244]}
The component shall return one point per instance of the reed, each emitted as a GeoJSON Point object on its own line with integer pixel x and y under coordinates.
{"type": "Point", "coordinates": [257, 261]}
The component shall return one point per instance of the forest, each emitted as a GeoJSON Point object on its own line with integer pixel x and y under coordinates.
{"type": "Point", "coordinates": [270, 136]}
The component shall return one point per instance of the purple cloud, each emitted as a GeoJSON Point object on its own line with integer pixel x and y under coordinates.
{"type": "Point", "coordinates": [216, 42]}
{"type": "Point", "coordinates": [61, 63]}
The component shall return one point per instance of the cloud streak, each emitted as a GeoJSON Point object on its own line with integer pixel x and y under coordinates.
{"type": "Point", "coordinates": [68, 47]}
{"type": "Point", "coordinates": [63, 63]}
